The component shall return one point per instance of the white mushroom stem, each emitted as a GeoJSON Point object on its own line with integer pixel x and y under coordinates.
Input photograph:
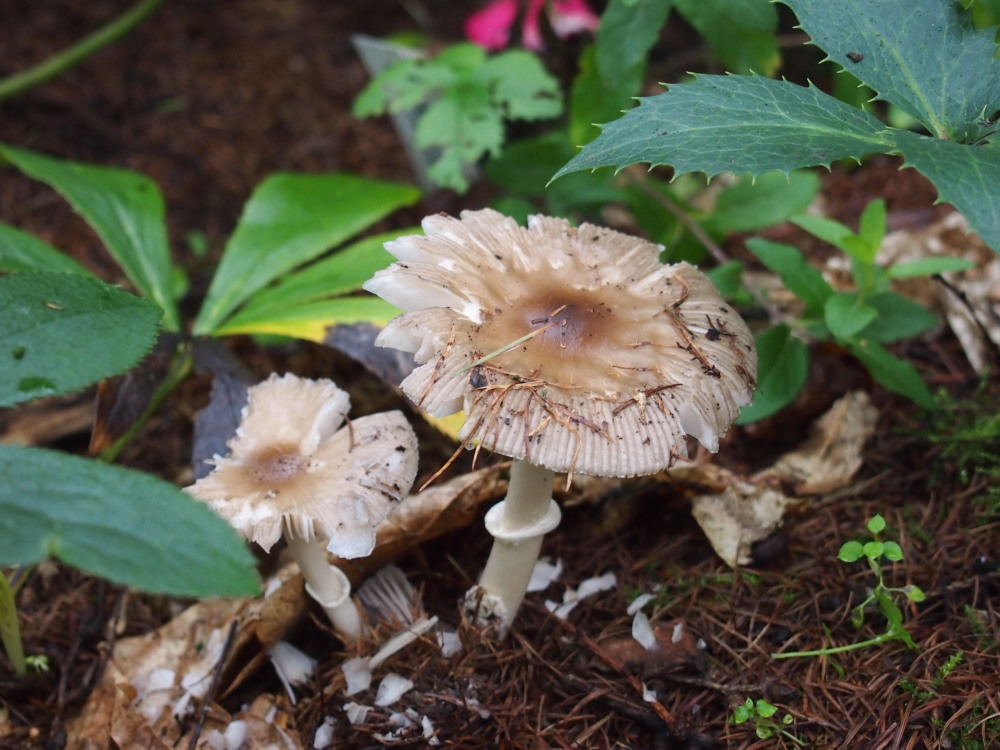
{"type": "Point", "coordinates": [328, 585]}
{"type": "Point", "coordinates": [517, 525]}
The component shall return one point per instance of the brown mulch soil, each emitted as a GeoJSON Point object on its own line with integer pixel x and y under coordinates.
{"type": "Point", "coordinates": [209, 98]}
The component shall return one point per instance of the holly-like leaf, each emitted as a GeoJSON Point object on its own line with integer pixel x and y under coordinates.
{"type": "Point", "coordinates": [735, 123]}
{"type": "Point", "coordinates": [783, 363]}
{"type": "Point", "coordinates": [922, 55]}
{"type": "Point", "coordinates": [124, 208]}
{"type": "Point", "coordinates": [60, 332]}
{"type": "Point", "coordinates": [289, 220]}
{"type": "Point", "coordinates": [965, 176]}
{"type": "Point", "coordinates": [20, 251]}
{"type": "Point", "coordinates": [742, 32]}
{"type": "Point", "coordinates": [128, 527]}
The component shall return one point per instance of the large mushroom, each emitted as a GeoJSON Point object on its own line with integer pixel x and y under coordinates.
{"type": "Point", "coordinates": [291, 472]}
{"type": "Point", "coordinates": [570, 350]}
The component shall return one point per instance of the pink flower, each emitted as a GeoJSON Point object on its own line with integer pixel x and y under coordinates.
{"type": "Point", "coordinates": [490, 27]}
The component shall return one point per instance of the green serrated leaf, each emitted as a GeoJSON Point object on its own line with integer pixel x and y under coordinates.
{"type": "Point", "coordinates": [289, 220]}
{"type": "Point", "coordinates": [846, 315]}
{"type": "Point", "coordinates": [804, 281]}
{"type": "Point", "coordinates": [887, 45]}
{"type": "Point", "coordinates": [783, 362]}
{"type": "Point", "coordinates": [20, 251]}
{"type": "Point", "coordinates": [851, 552]}
{"type": "Point", "coordinates": [898, 318]}
{"type": "Point", "coordinates": [520, 85]}
{"type": "Point", "coordinates": [124, 208]}
{"type": "Point", "coordinates": [928, 267]}
{"type": "Point", "coordinates": [742, 33]}
{"type": "Point", "coordinates": [61, 332]}
{"type": "Point", "coordinates": [769, 199]}
{"type": "Point", "coordinates": [738, 124]}
{"type": "Point", "coordinates": [118, 524]}
{"type": "Point", "coordinates": [895, 374]}
{"type": "Point", "coordinates": [965, 176]}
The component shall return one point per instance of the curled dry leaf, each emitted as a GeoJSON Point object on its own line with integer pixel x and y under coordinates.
{"type": "Point", "coordinates": [149, 677]}
{"type": "Point", "coordinates": [975, 320]}
{"type": "Point", "coordinates": [735, 512]}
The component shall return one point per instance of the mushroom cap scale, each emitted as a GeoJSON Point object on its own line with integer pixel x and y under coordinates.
{"type": "Point", "coordinates": [289, 467]}
{"type": "Point", "coordinates": [572, 348]}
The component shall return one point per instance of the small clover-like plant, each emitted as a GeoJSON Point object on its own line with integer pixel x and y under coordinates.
{"type": "Point", "coordinates": [465, 96]}
{"type": "Point", "coordinates": [862, 320]}
{"type": "Point", "coordinates": [763, 716]}
{"type": "Point", "coordinates": [874, 552]}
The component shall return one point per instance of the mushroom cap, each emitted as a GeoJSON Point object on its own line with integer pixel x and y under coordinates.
{"type": "Point", "coordinates": [571, 348]}
{"type": "Point", "coordinates": [290, 467]}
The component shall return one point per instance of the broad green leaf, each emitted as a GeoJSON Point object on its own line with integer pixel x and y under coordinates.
{"type": "Point", "coordinates": [892, 551]}
{"type": "Point", "coordinates": [296, 305]}
{"type": "Point", "coordinates": [128, 527]}
{"type": "Point", "coordinates": [783, 362]}
{"type": "Point", "coordinates": [927, 267]}
{"type": "Point", "coordinates": [124, 208]}
{"type": "Point", "coordinates": [721, 124]}
{"type": "Point", "coordinates": [727, 278]}
{"type": "Point", "coordinates": [827, 230]}
{"type": "Point", "coordinates": [290, 220]}
{"type": "Point", "coordinates": [310, 320]}
{"type": "Point", "coordinates": [626, 34]}
{"type": "Point", "coordinates": [521, 86]}
{"type": "Point", "coordinates": [755, 203]}
{"type": "Point", "coordinates": [742, 32]}
{"type": "Point", "coordinates": [60, 332]}
{"type": "Point", "coordinates": [593, 100]}
{"type": "Point", "coordinates": [525, 165]}
{"type": "Point", "coordinates": [871, 230]}
{"type": "Point", "coordinates": [851, 552]}
{"type": "Point", "coordinates": [965, 176]}
{"type": "Point", "coordinates": [897, 318]}
{"type": "Point", "coordinates": [20, 251]}
{"type": "Point", "coordinates": [923, 55]}
{"type": "Point", "coordinates": [342, 272]}
{"type": "Point", "coordinates": [876, 524]}
{"type": "Point", "coordinates": [804, 281]}
{"type": "Point", "coordinates": [845, 314]}
{"type": "Point", "coordinates": [892, 372]}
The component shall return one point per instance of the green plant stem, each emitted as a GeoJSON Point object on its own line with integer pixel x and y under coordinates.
{"type": "Point", "coordinates": [183, 360]}
{"type": "Point", "coordinates": [10, 629]}
{"type": "Point", "coordinates": [888, 636]}
{"type": "Point", "coordinates": [73, 55]}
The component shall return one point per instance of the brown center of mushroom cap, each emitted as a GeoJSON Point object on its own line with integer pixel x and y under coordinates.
{"type": "Point", "coordinates": [568, 329]}
{"type": "Point", "coordinates": [276, 465]}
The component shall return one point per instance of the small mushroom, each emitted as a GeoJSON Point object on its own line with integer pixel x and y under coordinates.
{"type": "Point", "coordinates": [291, 472]}
{"type": "Point", "coordinates": [570, 350]}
